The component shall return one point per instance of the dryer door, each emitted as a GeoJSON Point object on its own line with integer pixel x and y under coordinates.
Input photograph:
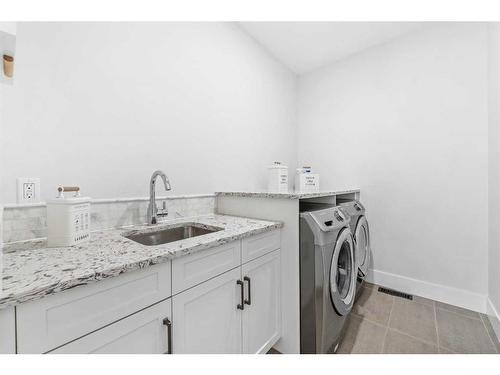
{"type": "Point", "coordinates": [343, 273]}
{"type": "Point", "coordinates": [362, 239]}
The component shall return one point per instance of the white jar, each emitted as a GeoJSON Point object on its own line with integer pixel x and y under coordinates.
{"type": "Point", "coordinates": [277, 178]}
{"type": "Point", "coordinates": [306, 181]}
{"type": "Point", "coordinates": [68, 221]}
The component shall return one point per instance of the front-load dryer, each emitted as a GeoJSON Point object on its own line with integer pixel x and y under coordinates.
{"type": "Point", "coordinates": [361, 233]}
{"type": "Point", "coordinates": [327, 278]}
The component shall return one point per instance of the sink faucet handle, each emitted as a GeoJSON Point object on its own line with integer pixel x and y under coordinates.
{"type": "Point", "coordinates": [163, 211]}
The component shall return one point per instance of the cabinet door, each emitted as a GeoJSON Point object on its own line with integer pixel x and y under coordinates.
{"type": "Point", "coordinates": [145, 332]}
{"type": "Point", "coordinates": [262, 313]}
{"type": "Point", "coordinates": [206, 316]}
{"type": "Point", "coordinates": [55, 320]}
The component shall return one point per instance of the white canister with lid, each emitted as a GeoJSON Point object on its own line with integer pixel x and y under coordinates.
{"type": "Point", "coordinates": [277, 178]}
{"type": "Point", "coordinates": [68, 219]}
{"type": "Point", "coordinates": [306, 181]}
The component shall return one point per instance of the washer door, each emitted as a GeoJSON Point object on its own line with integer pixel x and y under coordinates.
{"type": "Point", "coordinates": [362, 239]}
{"type": "Point", "coordinates": [343, 273]}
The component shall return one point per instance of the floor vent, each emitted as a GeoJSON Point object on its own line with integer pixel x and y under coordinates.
{"type": "Point", "coordinates": [395, 293]}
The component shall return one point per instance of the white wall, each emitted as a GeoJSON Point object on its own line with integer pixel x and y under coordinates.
{"type": "Point", "coordinates": [103, 105]}
{"type": "Point", "coordinates": [494, 176]}
{"type": "Point", "coordinates": [8, 27]}
{"type": "Point", "coordinates": [407, 123]}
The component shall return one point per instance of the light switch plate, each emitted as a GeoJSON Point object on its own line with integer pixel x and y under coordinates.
{"type": "Point", "coordinates": [28, 190]}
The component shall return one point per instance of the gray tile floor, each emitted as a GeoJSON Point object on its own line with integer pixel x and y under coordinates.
{"type": "Point", "coordinates": [380, 323]}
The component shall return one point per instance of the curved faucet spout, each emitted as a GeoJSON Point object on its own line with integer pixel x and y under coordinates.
{"type": "Point", "coordinates": [163, 176]}
{"type": "Point", "coordinates": [153, 209]}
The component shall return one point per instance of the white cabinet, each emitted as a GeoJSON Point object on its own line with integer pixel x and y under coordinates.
{"type": "Point", "coordinates": [206, 319]}
{"type": "Point", "coordinates": [187, 271]}
{"type": "Point", "coordinates": [220, 300]}
{"type": "Point", "coordinates": [260, 244]}
{"type": "Point", "coordinates": [145, 332]}
{"type": "Point", "coordinates": [50, 322]}
{"type": "Point", "coordinates": [7, 331]}
{"type": "Point", "coordinates": [262, 313]}
{"type": "Point", "coordinates": [236, 312]}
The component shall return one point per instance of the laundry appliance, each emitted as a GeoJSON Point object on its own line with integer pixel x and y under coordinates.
{"type": "Point", "coordinates": [361, 233]}
{"type": "Point", "coordinates": [327, 277]}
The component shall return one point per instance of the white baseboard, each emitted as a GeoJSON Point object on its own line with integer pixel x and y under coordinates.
{"type": "Point", "coordinates": [494, 318]}
{"type": "Point", "coordinates": [437, 292]}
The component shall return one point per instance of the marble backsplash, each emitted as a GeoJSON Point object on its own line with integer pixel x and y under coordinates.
{"type": "Point", "coordinates": [22, 223]}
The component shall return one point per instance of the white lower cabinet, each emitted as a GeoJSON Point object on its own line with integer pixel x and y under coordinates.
{"type": "Point", "coordinates": [225, 300]}
{"type": "Point", "coordinates": [145, 332]}
{"type": "Point", "coordinates": [262, 313]}
{"type": "Point", "coordinates": [206, 319]}
{"type": "Point", "coordinates": [236, 312]}
{"type": "Point", "coordinates": [50, 322]}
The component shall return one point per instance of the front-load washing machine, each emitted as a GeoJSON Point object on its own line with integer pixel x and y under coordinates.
{"type": "Point", "coordinates": [361, 233]}
{"type": "Point", "coordinates": [327, 278]}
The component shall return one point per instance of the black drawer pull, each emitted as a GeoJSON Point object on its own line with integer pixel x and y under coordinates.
{"type": "Point", "coordinates": [249, 300]}
{"type": "Point", "coordinates": [168, 323]}
{"type": "Point", "coordinates": [241, 305]}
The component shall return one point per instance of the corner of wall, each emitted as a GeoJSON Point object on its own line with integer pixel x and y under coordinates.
{"type": "Point", "coordinates": [494, 318]}
{"type": "Point", "coordinates": [493, 175]}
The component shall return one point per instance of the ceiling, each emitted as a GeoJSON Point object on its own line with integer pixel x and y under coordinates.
{"type": "Point", "coordinates": [305, 46]}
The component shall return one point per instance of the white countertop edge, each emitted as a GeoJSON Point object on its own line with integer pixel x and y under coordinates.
{"type": "Point", "coordinates": [289, 195]}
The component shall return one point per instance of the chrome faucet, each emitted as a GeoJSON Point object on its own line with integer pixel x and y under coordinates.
{"type": "Point", "coordinates": [153, 211]}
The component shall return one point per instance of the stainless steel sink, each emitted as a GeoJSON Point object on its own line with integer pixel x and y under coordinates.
{"type": "Point", "coordinates": [171, 234]}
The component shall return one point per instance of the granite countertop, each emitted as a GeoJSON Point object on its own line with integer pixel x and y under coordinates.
{"type": "Point", "coordinates": [34, 273]}
{"type": "Point", "coordinates": [289, 195]}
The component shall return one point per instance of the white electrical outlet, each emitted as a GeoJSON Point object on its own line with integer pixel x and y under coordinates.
{"type": "Point", "coordinates": [28, 190]}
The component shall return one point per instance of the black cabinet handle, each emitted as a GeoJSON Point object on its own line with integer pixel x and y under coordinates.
{"type": "Point", "coordinates": [249, 300]}
{"type": "Point", "coordinates": [168, 323]}
{"type": "Point", "coordinates": [241, 305]}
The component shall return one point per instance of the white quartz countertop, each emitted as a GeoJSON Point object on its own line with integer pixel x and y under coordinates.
{"type": "Point", "coordinates": [289, 195]}
{"type": "Point", "coordinates": [34, 273]}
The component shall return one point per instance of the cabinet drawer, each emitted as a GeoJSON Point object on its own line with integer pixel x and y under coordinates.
{"type": "Point", "coordinates": [55, 320]}
{"type": "Point", "coordinates": [256, 246]}
{"type": "Point", "coordinates": [190, 270]}
{"type": "Point", "coordinates": [141, 333]}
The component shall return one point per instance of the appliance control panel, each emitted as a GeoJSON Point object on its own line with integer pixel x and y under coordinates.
{"type": "Point", "coordinates": [329, 219]}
